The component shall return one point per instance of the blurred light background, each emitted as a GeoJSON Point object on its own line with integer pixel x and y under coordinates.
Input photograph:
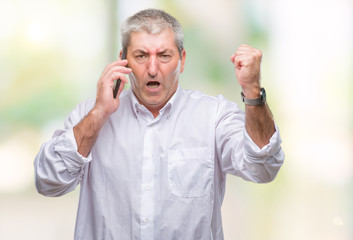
{"type": "Point", "coordinates": [53, 52]}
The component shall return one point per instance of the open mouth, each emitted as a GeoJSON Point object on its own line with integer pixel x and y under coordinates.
{"type": "Point", "coordinates": [153, 84]}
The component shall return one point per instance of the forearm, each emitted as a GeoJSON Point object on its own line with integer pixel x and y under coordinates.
{"type": "Point", "coordinates": [86, 132]}
{"type": "Point", "coordinates": [58, 166]}
{"type": "Point", "coordinates": [239, 154]}
{"type": "Point", "coordinates": [259, 124]}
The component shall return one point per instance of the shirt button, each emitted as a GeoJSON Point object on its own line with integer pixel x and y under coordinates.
{"type": "Point", "coordinates": [148, 188]}
{"type": "Point", "coordinates": [146, 220]}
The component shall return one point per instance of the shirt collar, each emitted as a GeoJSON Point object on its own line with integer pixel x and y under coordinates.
{"type": "Point", "coordinates": [171, 104]}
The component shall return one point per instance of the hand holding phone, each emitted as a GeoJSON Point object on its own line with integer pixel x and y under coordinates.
{"type": "Point", "coordinates": [118, 82]}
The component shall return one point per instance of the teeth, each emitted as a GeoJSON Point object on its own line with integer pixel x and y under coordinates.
{"type": "Point", "coordinates": [152, 84]}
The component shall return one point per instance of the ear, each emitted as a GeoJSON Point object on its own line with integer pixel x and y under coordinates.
{"type": "Point", "coordinates": [121, 53]}
{"type": "Point", "coordinates": [183, 56]}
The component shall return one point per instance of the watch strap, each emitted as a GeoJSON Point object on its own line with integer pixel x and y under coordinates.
{"type": "Point", "coordinates": [255, 101]}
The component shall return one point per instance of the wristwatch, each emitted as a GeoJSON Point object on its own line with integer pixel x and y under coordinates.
{"type": "Point", "coordinates": [255, 101]}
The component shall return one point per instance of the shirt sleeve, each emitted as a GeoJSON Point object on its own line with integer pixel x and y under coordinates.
{"type": "Point", "coordinates": [58, 165]}
{"type": "Point", "coordinates": [238, 154]}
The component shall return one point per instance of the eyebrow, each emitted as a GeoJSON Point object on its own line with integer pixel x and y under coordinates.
{"type": "Point", "coordinates": [139, 51]}
{"type": "Point", "coordinates": [164, 51]}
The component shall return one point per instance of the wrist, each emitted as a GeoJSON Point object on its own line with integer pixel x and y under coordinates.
{"type": "Point", "coordinates": [99, 116]}
{"type": "Point", "coordinates": [256, 99]}
{"type": "Point", "coordinates": [251, 92]}
{"type": "Point", "coordinates": [87, 130]}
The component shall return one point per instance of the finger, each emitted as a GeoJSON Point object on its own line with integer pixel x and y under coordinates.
{"type": "Point", "coordinates": [249, 51]}
{"type": "Point", "coordinates": [123, 79]}
{"type": "Point", "coordinates": [109, 81]}
{"type": "Point", "coordinates": [242, 63]}
{"type": "Point", "coordinates": [116, 63]}
{"type": "Point", "coordinates": [115, 73]}
{"type": "Point", "coordinates": [242, 51]}
{"type": "Point", "coordinates": [121, 69]}
{"type": "Point", "coordinates": [245, 49]}
{"type": "Point", "coordinates": [121, 88]}
{"type": "Point", "coordinates": [247, 59]}
{"type": "Point", "coordinates": [113, 64]}
{"type": "Point", "coordinates": [122, 85]}
{"type": "Point", "coordinates": [232, 58]}
{"type": "Point", "coordinates": [117, 68]}
{"type": "Point", "coordinates": [119, 62]}
{"type": "Point", "coordinates": [239, 61]}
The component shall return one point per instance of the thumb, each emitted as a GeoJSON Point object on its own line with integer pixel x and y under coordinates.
{"type": "Point", "coordinates": [232, 58]}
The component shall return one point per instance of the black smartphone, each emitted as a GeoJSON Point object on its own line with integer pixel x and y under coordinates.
{"type": "Point", "coordinates": [118, 82]}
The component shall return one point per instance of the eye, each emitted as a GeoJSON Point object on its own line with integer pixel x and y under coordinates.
{"type": "Point", "coordinates": [140, 56]}
{"type": "Point", "coordinates": [165, 57]}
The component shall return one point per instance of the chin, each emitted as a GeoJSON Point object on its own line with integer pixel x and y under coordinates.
{"type": "Point", "coordinates": [154, 103]}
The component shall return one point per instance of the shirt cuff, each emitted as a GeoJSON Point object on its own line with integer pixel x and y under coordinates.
{"type": "Point", "coordinates": [66, 147]}
{"type": "Point", "coordinates": [260, 155]}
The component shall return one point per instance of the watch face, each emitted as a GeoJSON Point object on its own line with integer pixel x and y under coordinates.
{"type": "Point", "coordinates": [263, 95]}
{"type": "Point", "coordinates": [255, 101]}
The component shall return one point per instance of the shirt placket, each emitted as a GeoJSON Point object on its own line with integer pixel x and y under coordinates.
{"type": "Point", "coordinates": [147, 186]}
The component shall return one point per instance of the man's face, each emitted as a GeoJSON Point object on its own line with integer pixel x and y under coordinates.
{"type": "Point", "coordinates": [156, 65]}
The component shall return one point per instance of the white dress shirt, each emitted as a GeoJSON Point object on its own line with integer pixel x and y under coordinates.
{"type": "Point", "coordinates": [156, 178]}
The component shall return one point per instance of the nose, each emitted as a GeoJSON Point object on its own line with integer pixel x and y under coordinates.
{"type": "Point", "coordinates": [153, 67]}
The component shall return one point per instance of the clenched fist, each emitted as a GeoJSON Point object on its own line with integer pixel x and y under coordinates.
{"type": "Point", "coordinates": [247, 61]}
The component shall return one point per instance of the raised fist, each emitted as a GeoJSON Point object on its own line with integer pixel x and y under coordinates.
{"type": "Point", "coordinates": [247, 61]}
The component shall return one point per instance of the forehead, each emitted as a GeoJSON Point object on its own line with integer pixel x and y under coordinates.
{"type": "Point", "coordinates": [150, 42]}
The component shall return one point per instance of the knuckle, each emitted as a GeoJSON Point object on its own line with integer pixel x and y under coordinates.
{"type": "Point", "coordinates": [109, 66]}
{"type": "Point", "coordinates": [116, 75]}
{"type": "Point", "coordinates": [259, 53]}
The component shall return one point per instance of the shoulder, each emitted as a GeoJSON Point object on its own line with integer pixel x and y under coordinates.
{"type": "Point", "coordinates": [217, 106]}
{"type": "Point", "coordinates": [79, 112]}
{"type": "Point", "coordinates": [198, 96]}
{"type": "Point", "coordinates": [202, 98]}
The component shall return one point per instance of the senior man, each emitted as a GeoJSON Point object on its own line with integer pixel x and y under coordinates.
{"type": "Point", "coordinates": [152, 162]}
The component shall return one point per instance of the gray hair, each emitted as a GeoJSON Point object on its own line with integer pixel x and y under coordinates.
{"type": "Point", "coordinates": [152, 21]}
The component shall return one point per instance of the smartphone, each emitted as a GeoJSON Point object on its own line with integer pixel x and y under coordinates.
{"type": "Point", "coordinates": [118, 82]}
